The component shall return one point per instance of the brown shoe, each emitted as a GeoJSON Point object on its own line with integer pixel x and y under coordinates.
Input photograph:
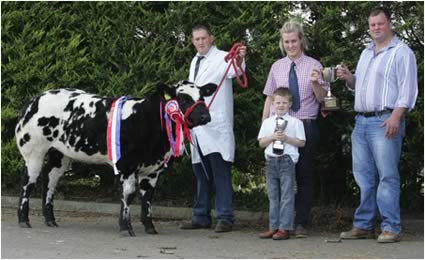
{"type": "Point", "coordinates": [388, 237]}
{"type": "Point", "coordinates": [356, 233]}
{"type": "Point", "coordinates": [281, 235]}
{"type": "Point", "coordinates": [268, 234]}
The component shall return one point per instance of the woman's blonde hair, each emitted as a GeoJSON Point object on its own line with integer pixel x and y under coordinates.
{"type": "Point", "coordinates": [289, 27]}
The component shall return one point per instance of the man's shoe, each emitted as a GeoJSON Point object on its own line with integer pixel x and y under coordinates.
{"type": "Point", "coordinates": [268, 234]}
{"type": "Point", "coordinates": [300, 232]}
{"type": "Point", "coordinates": [281, 235]}
{"type": "Point", "coordinates": [388, 237]}
{"type": "Point", "coordinates": [223, 227]}
{"type": "Point", "coordinates": [191, 225]}
{"type": "Point", "coordinates": [356, 233]}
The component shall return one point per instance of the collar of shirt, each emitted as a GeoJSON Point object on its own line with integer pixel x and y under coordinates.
{"type": "Point", "coordinates": [208, 53]}
{"type": "Point", "coordinates": [298, 61]}
{"type": "Point", "coordinates": [394, 41]}
{"type": "Point", "coordinates": [285, 116]}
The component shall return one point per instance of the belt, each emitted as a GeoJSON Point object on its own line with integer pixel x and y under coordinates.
{"type": "Point", "coordinates": [308, 120]}
{"type": "Point", "coordinates": [375, 113]}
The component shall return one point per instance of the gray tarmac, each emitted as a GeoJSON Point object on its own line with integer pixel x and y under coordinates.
{"type": "Point", "coordinates": [94, 234]}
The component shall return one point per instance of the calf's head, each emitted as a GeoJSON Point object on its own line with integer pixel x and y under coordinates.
{"type": "Point", "coordinates": [191, 100]}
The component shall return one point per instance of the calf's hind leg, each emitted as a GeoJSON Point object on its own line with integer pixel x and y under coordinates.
{"type": "Point", "coordinates": [29, 176]}
{"type": "Point", "coordinates": [57, 164]}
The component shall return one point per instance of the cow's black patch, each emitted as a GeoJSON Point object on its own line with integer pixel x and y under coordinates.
{"type": "Point", "coordinates": [145, 185]}
{"type": "Point", "coordinates": [49, 139]}
{"type": "Point", "coordinates": [55, 133]}
{"type": "Point", "coordinates": [33, 109]}
{"type": "Point", "coordinates": [55, 91]}
{"type": "Point", "coordinates": [74, 94]}
{"type": "Point", "coordinates": [152, 175]}
{"type": "Point", "coordinates": [86, 132]}
{"type": "Point", "coordinates": [24, 139]}
{"type": "Point", "coordinates": [48, 121]}
{"type": "Point", "coordinates": [18, 129]}
{"type": "Point", "coordinates": [55, 158]}
{"type": "Point", "coordinates": [91, 104]}
{"type": "Point", "coordinates": [46, 131]}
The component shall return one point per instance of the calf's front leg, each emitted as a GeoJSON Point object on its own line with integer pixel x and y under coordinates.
{"type": "Point", "coordinates": [128, 193]}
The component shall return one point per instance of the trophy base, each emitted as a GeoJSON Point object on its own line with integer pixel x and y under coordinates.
{"type": "Point", "coordinates": [330, 104]}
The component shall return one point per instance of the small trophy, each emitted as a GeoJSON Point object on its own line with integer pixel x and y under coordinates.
{"type": "Point", "coordinates": [330, 102]}
{"type": "Point", "coordinates": [280, 126]}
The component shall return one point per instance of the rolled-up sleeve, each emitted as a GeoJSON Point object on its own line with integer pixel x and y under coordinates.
{"type": "Point", "coordinates": [407, 79]}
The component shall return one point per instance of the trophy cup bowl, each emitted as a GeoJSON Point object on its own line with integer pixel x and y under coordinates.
{"type": "Point", "coordinates": [330, 102]}
{"type": "Point", "coordinates": [279, 145]}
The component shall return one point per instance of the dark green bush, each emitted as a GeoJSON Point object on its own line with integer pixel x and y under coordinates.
{"type": "Point", "coordinates": [125, 48]}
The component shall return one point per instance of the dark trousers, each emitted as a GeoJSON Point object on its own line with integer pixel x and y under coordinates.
{"type": "Point", "coordinates": [304, 173]}
{"type": "Point", "coordinates": [219, 178]}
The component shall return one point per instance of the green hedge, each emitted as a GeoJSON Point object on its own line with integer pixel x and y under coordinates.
{"type": "Point", "coordinates": [117, 48]}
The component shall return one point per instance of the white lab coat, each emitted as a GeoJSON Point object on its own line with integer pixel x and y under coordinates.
{"type": "Point", "coordinates": [217, 135]}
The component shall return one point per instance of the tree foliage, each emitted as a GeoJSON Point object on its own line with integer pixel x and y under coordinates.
{"type": "Point", "coordinates": [125, 48]}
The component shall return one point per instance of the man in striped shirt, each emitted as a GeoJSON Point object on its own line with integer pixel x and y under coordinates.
{"type": "Point", "coordinates": [385, 85]}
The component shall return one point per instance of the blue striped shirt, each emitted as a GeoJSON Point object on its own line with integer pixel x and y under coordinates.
{"type": "Point", "coordinates": [387, 79]}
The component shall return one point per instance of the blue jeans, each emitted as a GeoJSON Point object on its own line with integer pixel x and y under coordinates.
{"type": "Point", "coordinates": [280, 181]}
{"type": "Point", "coordinates": [375, 170]}
{"type": "Point", "coordinates": [219, 177]}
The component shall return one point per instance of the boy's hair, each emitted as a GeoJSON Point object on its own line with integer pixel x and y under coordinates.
{"type": "Point", "coordinates": [283, 92]}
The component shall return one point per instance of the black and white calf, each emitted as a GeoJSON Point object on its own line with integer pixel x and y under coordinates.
{"type": "Point", "coordinates": [68, 124]}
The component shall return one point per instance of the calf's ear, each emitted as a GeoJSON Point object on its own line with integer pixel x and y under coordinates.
{"type": "Point", "coordinates": [208, 89]}
{"type": "Point", "coordinates": [166, 91]}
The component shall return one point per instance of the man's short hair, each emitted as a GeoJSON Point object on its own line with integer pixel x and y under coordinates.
{"type": "Point", "coordinates": [283, 92]}
{"type": "Point", "coordinates": [379, 10]}
{"type": "Point", "coordinates": [201, 26]}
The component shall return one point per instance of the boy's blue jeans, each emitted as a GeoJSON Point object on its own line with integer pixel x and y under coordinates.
{"type": "Point", "coordinates": [375, 169]}
{"type": "Point", "coordinates": [280, 180]}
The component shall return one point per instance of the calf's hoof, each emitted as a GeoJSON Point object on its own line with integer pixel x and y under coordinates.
{"type": "Point", "coordinates": [128, 233]}
{"type": "Point", "coordinates": [151, 231]}
{"type": "Point", "coordinates": [25, 224]}
{"type": "Point", "coordinates": [51, 223]}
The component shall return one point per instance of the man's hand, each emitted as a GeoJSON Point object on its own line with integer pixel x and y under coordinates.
{"type": "Point", "coordinates": [344, 73]}
{"type": "Point", "coordinates": [242, 51]}
{"type": "Point", "coordinates": [315, 75]}
{"type": "Point", "coordinates": [392, 124]}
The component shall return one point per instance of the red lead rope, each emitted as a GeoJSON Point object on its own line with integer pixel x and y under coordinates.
{"type": "Point", "coordinates": [236, 62]}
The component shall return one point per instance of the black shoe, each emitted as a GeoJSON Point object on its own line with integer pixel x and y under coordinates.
{"type": "Point", "coordinates": [223, 227]}
{"type": "Point", "coordinates": [300, 232]}
{"type": "Point", "coordinates": [191, 225]}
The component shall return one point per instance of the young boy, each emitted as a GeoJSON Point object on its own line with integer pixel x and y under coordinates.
{"type": "Point", "coordinates": [280, 168]}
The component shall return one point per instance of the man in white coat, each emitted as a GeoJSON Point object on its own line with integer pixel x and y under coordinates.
{"type": "Point", "coordinates": [213, 150]}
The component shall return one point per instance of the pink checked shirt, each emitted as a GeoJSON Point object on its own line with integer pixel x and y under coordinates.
{"type": "Point", "coordinates": [279, 78]}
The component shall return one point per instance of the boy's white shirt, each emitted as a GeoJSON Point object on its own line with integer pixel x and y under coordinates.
{"type": "Point", "coordinates": [294, 128]}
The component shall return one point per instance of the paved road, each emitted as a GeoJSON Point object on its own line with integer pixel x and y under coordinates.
{"type": "Point", "coordinates": [87, 235]}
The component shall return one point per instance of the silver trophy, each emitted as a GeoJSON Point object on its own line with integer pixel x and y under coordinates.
{"type": "Point", "coordinates": [330, 102]}
{"type": "Point", "coordinates": [280, 126]}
